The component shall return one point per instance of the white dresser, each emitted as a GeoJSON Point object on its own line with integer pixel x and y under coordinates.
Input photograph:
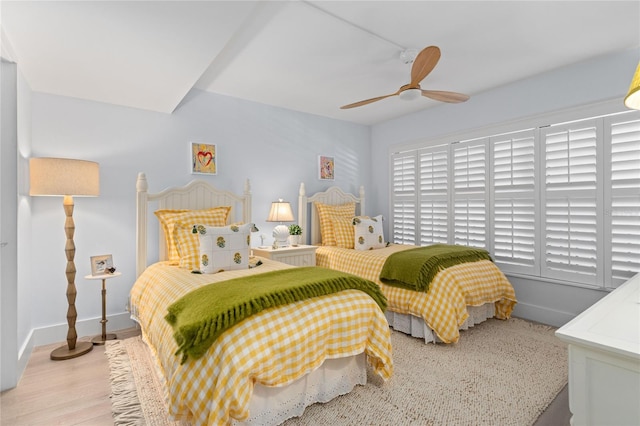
{"type": "Point", "coordinates": [604, 359]}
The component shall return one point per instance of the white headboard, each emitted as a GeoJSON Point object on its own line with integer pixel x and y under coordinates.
{"type": "Point", "coordinates": [197, 194]}
{"type": "Point", "coordinates": [308, 215]}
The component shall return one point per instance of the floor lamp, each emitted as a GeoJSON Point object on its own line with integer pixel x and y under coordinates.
{"type": "Point", "coordinates": [67, 178]}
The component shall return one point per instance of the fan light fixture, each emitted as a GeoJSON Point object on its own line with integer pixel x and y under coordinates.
{"type": "Point", "coordinates": [423, 64]}
{"type": "Point", "coordinates": [410, 94]}
{"type": "Point", "coordinates": [280, 212]}
{"type": "Point", "coordinates": [632, 100]}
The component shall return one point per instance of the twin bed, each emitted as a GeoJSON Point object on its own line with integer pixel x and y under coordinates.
{"type": "Point", "coordinates": [459, 296]}
{"type": "Point", "coordinates": [267, 367]}
{"type": "Point", "coordinates": [273, 364]}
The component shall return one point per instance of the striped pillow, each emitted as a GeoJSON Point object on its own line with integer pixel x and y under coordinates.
{"type": "Point", "coordinates": [215, 216]}
{"type": "Point", "coordinates": [343, 230]}
{"type": "Point", "coordinates": [326, 214]}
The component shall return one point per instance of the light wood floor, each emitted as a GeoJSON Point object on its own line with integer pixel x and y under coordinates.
{"type": "Point", "coordinates": [76, 392]}
{"type": "Point", "coordinates": [70, 392]}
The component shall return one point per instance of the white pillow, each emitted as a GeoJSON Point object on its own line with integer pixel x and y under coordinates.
{"type": "Point", "coordinates": [368, 233]}
{"type": "Point", "coordinates": [224, 248]}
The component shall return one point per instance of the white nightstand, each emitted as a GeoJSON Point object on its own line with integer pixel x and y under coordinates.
{"type": "Point", "coordinates": [297, 256]}
{"type": "Point", "coordinates": [101, 338]}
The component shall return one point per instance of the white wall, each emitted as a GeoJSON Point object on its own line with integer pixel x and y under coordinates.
{"type": "Point", "coordinates": [590, 82]}
{"type": "Point", "coordinates": [8, 222]}
{"type": "Point", "coordinates": [275, 148]}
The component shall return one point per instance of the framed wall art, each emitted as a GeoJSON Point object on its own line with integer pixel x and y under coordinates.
{"type": "Point", "coordinates": [204, 158]}
{"type": "Point", "coordinates": [326, 167]}
{"type": "Point", "coordinates": [101, 265]}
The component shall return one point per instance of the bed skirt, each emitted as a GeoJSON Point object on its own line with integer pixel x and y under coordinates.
{"type": "Point", "coordinates": [417, 327]}
{"type": "Point", "coordinates": [335, 377]}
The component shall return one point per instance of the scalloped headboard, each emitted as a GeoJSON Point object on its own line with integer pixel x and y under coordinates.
{"type": "Point", "coordinates": [308, 215]}
{"type": "Point", "coordinates": [197, 194]}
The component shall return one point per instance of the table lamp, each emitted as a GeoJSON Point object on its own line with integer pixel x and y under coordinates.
{"type": "Point", "coordinates": [67, 178]}
{"type": "Point", "coordinates": [632, 100]}
{"type": "Point", "coordinates": [280, 212]}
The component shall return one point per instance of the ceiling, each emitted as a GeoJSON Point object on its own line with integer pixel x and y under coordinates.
{"type": "Point", "coordinates": [310, 56]}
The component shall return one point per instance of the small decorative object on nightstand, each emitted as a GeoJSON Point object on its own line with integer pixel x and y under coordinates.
{"type": "Point", "coordinates": [295, 234]}
{"type": "Point", "coordinates": [101, 338]}
{"type": "Point", "coordinates": [297, 256]}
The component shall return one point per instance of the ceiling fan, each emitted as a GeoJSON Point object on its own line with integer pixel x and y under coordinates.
{"type": "Point", "coordinates": [423, 64]}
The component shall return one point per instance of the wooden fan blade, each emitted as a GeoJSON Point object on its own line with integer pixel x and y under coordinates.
{"type": "Point", "coordinates": [439, 95]}
{"type": "Point", "coordinates": [424, 63]}
{"type": "Point", "coordinates": [368, 101]}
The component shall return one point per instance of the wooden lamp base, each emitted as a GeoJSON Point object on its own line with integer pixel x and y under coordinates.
{"type": "Point", "coordinates": [63, 352]}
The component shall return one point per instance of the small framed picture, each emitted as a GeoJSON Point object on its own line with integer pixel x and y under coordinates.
{"type": "Point", "coordinates": [326, 167]}
{"type": "Point", "coordinates": [204, 158]}
{"type": "Point", "coordinates": [100, 265]}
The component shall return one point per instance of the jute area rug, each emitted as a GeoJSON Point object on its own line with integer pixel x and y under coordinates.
{"type": "Point", "coordinates": [499, 373]}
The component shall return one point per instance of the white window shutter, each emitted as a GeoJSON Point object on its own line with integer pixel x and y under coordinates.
{"type": "Point", "coordinates": [570, 201]}
{"type": "Point", "coordinates": [514, 201]}
{"type": "Point", "coordinates": [404, 197]}
{"type": "Point", "coordinates": [622, 218]}
{"type": "Point", "coordinates": [433, 195]}
{"type": "Point", "coordinates": [470, 193]}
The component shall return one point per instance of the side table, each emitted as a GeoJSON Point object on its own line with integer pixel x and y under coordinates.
{"type": "Point", "coordinates": [301, 255]}
{"type": "Point", "coordinates": [101, 338]}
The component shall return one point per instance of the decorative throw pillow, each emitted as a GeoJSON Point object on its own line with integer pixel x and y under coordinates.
{"type": "Point", "coordinates": [224, 248]}
{"type": "Point", "coordinates": [344, 232]}
{"type": "Point", "coordinates": [326, 214]}
{"type": "Point", "coordinates": [368, 233]}
{"type": "Point", "coordinates": [215, 216]}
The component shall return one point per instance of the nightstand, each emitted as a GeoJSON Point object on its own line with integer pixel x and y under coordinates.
{"type": "Point", "coordinates": [101, 338]}
{"type": "Point", "coordinates": [297, 256]}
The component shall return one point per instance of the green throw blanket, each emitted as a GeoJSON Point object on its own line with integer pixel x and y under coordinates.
{"type": "Point", "coordinates": [414, 269]}
{"type": "Point", "coordinates": [202, 315]}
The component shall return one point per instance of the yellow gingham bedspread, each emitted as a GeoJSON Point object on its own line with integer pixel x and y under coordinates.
{"type": "Point", "coordinates": [444, 306]}
{"type": "Point", "coordinates": [274, 347]}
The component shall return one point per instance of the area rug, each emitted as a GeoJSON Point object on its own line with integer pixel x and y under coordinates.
{"type": "Point", "coordinates": [500, 372]}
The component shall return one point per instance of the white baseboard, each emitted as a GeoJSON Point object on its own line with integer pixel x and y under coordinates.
{"type": "Point", "coordinates": [542, 315]}
{"type": "Point", "coordinates": [85, 328]}
{"type": "Point", "coordinates": [58, 333]}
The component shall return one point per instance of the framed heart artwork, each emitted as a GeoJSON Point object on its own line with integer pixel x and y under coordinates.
{"type": "Point", "coordinates": [204, 158]}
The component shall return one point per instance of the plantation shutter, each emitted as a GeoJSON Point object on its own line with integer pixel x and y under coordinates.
{"type": "Point", "coordinates": [434, 190]}
{"type": "Point", "coordinates": [404, 197]}
{"type": "Point", "coordinates": [571, 201]}
{"type": "Point", "coordinates": [622, 218]}
{"type": "Point", "coordinates": [470, 196]}
{"type": "Point", "coordinates": [514, 201]}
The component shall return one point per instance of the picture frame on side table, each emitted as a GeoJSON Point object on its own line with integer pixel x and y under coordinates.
{"type": "Point", "coordinates": [326, 167]}
{"type": "Point", "coordinates": [101, 264]}
{"type": "Point", "coordinates": [204, 158]}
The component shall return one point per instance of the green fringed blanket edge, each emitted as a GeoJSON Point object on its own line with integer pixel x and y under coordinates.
{"type": "Point", "coordinates": [414, 269]}
{"type": "Point", "coordinates": [201, 316]}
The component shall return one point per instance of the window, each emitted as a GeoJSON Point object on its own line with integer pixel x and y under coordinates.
{"type": "Point", "coordinates": [405, 204]}
{"type": "Point", "coordinates": [514, 201]}
{"type": "Point", "coordinates": [557, 201]}
{"type": "Point", "coordinates": [570, 201]}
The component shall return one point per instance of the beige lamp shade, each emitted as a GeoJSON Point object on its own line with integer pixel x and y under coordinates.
{"type": "Point", "coordinates": [63, 176]}
{"type": "Point", "coordinates": [632, 100]}
{"type": "Point", "coordinates": [280, 212]}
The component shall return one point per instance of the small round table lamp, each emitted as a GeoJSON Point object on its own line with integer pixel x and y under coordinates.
{"type": "Point", "coordinates": [67, 178]}
{"type": "Point", "coordinates": [280, 212]}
